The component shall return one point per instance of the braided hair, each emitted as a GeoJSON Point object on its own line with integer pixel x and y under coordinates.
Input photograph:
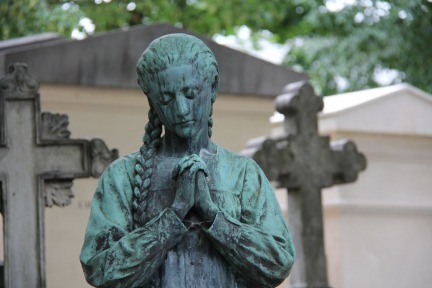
{"type": "Point", "coordinates": [167, 51]}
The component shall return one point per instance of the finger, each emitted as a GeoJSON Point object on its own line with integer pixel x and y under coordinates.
{"type": "Point", "coordinates": [195, 157]}
{"type": "Point", "coordinates": [180, 166]}
{"type": "Point", "coordinates": [176, 170]}
{"type": "Point", "coordinates": [199, 166]}
{"type": "Point", "coordinates": [202, 192]}
{"type": "Point", "coordinates": [201, 179]}
{"type": "Point", "coordinates": [190, 163]}
{"type": "Point", "coordinates": [187, 165]}
{"type": "Point", "coordinates": [203, 201]}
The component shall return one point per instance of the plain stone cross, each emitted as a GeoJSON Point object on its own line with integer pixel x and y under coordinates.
{"type": "Point", "coordinates": [38, 162]}
{"type": "Point", "coordinates": [304, 163]}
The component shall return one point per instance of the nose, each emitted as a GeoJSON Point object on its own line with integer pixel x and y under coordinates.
{"type": "Point", "coordinates": [182, 107]}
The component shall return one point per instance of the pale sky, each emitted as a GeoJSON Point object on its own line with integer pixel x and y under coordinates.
{"type": "Point", "coordinates": [268, 51]}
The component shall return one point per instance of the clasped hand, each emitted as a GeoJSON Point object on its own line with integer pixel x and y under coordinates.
{"type": "Point", "coordinates": [192, 189]}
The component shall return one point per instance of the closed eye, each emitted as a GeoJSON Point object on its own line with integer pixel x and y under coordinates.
{"type": "Point", "coordinates": [166, 97]}
{"type": "Point", "coordinates": [190, 92]}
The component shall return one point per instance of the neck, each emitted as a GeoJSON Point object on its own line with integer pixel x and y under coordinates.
{"type": "Point", "coordinates": [175, 146]}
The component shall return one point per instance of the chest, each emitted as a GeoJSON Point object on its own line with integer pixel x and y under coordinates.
{"type": "Point", "coordinates": [225, 186]}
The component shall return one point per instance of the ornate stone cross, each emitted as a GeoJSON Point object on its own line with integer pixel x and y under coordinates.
{"type": "Point", "coordinates": [304, 163]}
{"type": "Point", "coordinates": [38, 162]}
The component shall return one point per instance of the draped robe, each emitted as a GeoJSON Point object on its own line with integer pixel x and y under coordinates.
{"type": "Point", "coordinates": [247, 245]}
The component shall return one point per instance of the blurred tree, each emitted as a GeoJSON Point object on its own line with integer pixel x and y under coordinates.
{"type": "Point", "coordinates": [27, 17]}
{"type": "Point", "coordinates": [344, 45]}
{"type": "Point", "coordinates": [364, 44]}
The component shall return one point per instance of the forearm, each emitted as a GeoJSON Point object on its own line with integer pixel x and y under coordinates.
{"type": "Point", "coordinates": [258, 256]}
{"type": "Point", "coordinates": [137, 255]}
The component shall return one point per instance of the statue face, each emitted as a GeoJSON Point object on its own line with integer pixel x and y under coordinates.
{"type": "Point", "coordinates": [183, 100]}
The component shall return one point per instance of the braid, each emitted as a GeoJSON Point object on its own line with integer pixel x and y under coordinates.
{"type": "Point", "coordinates": [210, 121]}
{"type": "Point", "coordinates": [144, 168]}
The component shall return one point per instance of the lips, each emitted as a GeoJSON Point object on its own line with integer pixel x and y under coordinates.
{"type": "Point", "coordinates": [183, 123]}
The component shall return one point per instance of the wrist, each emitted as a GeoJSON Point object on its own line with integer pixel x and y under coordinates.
{"type": "Point", "coordinates": [211, 214]}
{"type": "Point", "coordinates": [177, 211]}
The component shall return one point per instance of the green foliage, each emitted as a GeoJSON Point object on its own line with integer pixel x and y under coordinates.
{"type": "Point", "coordinates": [342, 49]}
{"type": "Point", "coordinates": [26, 17]}
{"type": "Point", "coordinates": [207, 17]}
{"type": "Point", "coordinates": [358, 44]}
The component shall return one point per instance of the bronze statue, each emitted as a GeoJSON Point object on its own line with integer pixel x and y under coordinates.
{"type": "Point", "coordinates": [182, 211]}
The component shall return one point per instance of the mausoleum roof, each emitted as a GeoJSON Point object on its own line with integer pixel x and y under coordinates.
{"type": "Point", "coordinates": [398, 109]}
{"type": "Point", "coordinates": [109, 59]}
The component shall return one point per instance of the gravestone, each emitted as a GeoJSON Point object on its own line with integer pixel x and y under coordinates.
{"type": "Point", "coordinates": [38, 163]}
{"type": "Point", "coordinates": [305, 162]}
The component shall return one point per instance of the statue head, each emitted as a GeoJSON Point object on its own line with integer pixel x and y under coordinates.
{"type": "Point", "coordinates": [179, 75]}
{"type": "Point", "coordinates": [176, 50]}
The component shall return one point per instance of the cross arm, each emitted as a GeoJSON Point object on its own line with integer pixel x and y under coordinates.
{"type": "Point", "coordinates": [348, 162]}
{"type": "Point", "coordinates": [61, 159]}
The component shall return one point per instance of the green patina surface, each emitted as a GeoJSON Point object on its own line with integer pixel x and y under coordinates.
{"type": "Point", "coordinates": [182, 211]}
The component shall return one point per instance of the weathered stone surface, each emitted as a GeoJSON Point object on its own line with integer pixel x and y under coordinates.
{"type": "Point", "coordinates": [305, 162]}
{"type": "Point", "coordinates": [38, 162]}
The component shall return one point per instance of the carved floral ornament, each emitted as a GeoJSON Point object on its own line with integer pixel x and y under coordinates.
{"type": "Point", "coordinates": [54, 126]}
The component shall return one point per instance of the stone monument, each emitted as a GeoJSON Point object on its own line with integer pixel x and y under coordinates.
{"type": "Point", "coordinates": [38, 162]}
{"type": "Point", "coordinates": [305, 162]}
{"type": "Point", "coordinates": [183, 211]}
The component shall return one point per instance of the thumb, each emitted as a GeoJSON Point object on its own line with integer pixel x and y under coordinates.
{"type": "Point", "coordinates": [201, 180]}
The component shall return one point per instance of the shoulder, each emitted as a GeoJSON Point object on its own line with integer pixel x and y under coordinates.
{"type": "Point", "coordinates": [126, 160]}
{"type": "Point", "coordinates": [124, 165]}
{"type": "Point", "coordinates": [116, 183]}
{"type": "Point", "coordinates": [237, 159]}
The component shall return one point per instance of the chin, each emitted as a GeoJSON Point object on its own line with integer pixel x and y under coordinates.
{"type": "Point", "coordinates": [185, 134]}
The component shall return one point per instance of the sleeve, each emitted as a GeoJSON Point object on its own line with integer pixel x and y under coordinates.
{"type": "Point", "coordinates": [259, 246]}
{"type": "Point", "coordinates": [114, 255]}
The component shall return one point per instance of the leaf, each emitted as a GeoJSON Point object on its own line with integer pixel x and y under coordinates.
{"type": "Point", "coordinates": [58, 193]}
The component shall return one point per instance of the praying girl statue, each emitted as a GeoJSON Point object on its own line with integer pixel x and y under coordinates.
{"type": "Point", "coordinates": [182, 211]}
